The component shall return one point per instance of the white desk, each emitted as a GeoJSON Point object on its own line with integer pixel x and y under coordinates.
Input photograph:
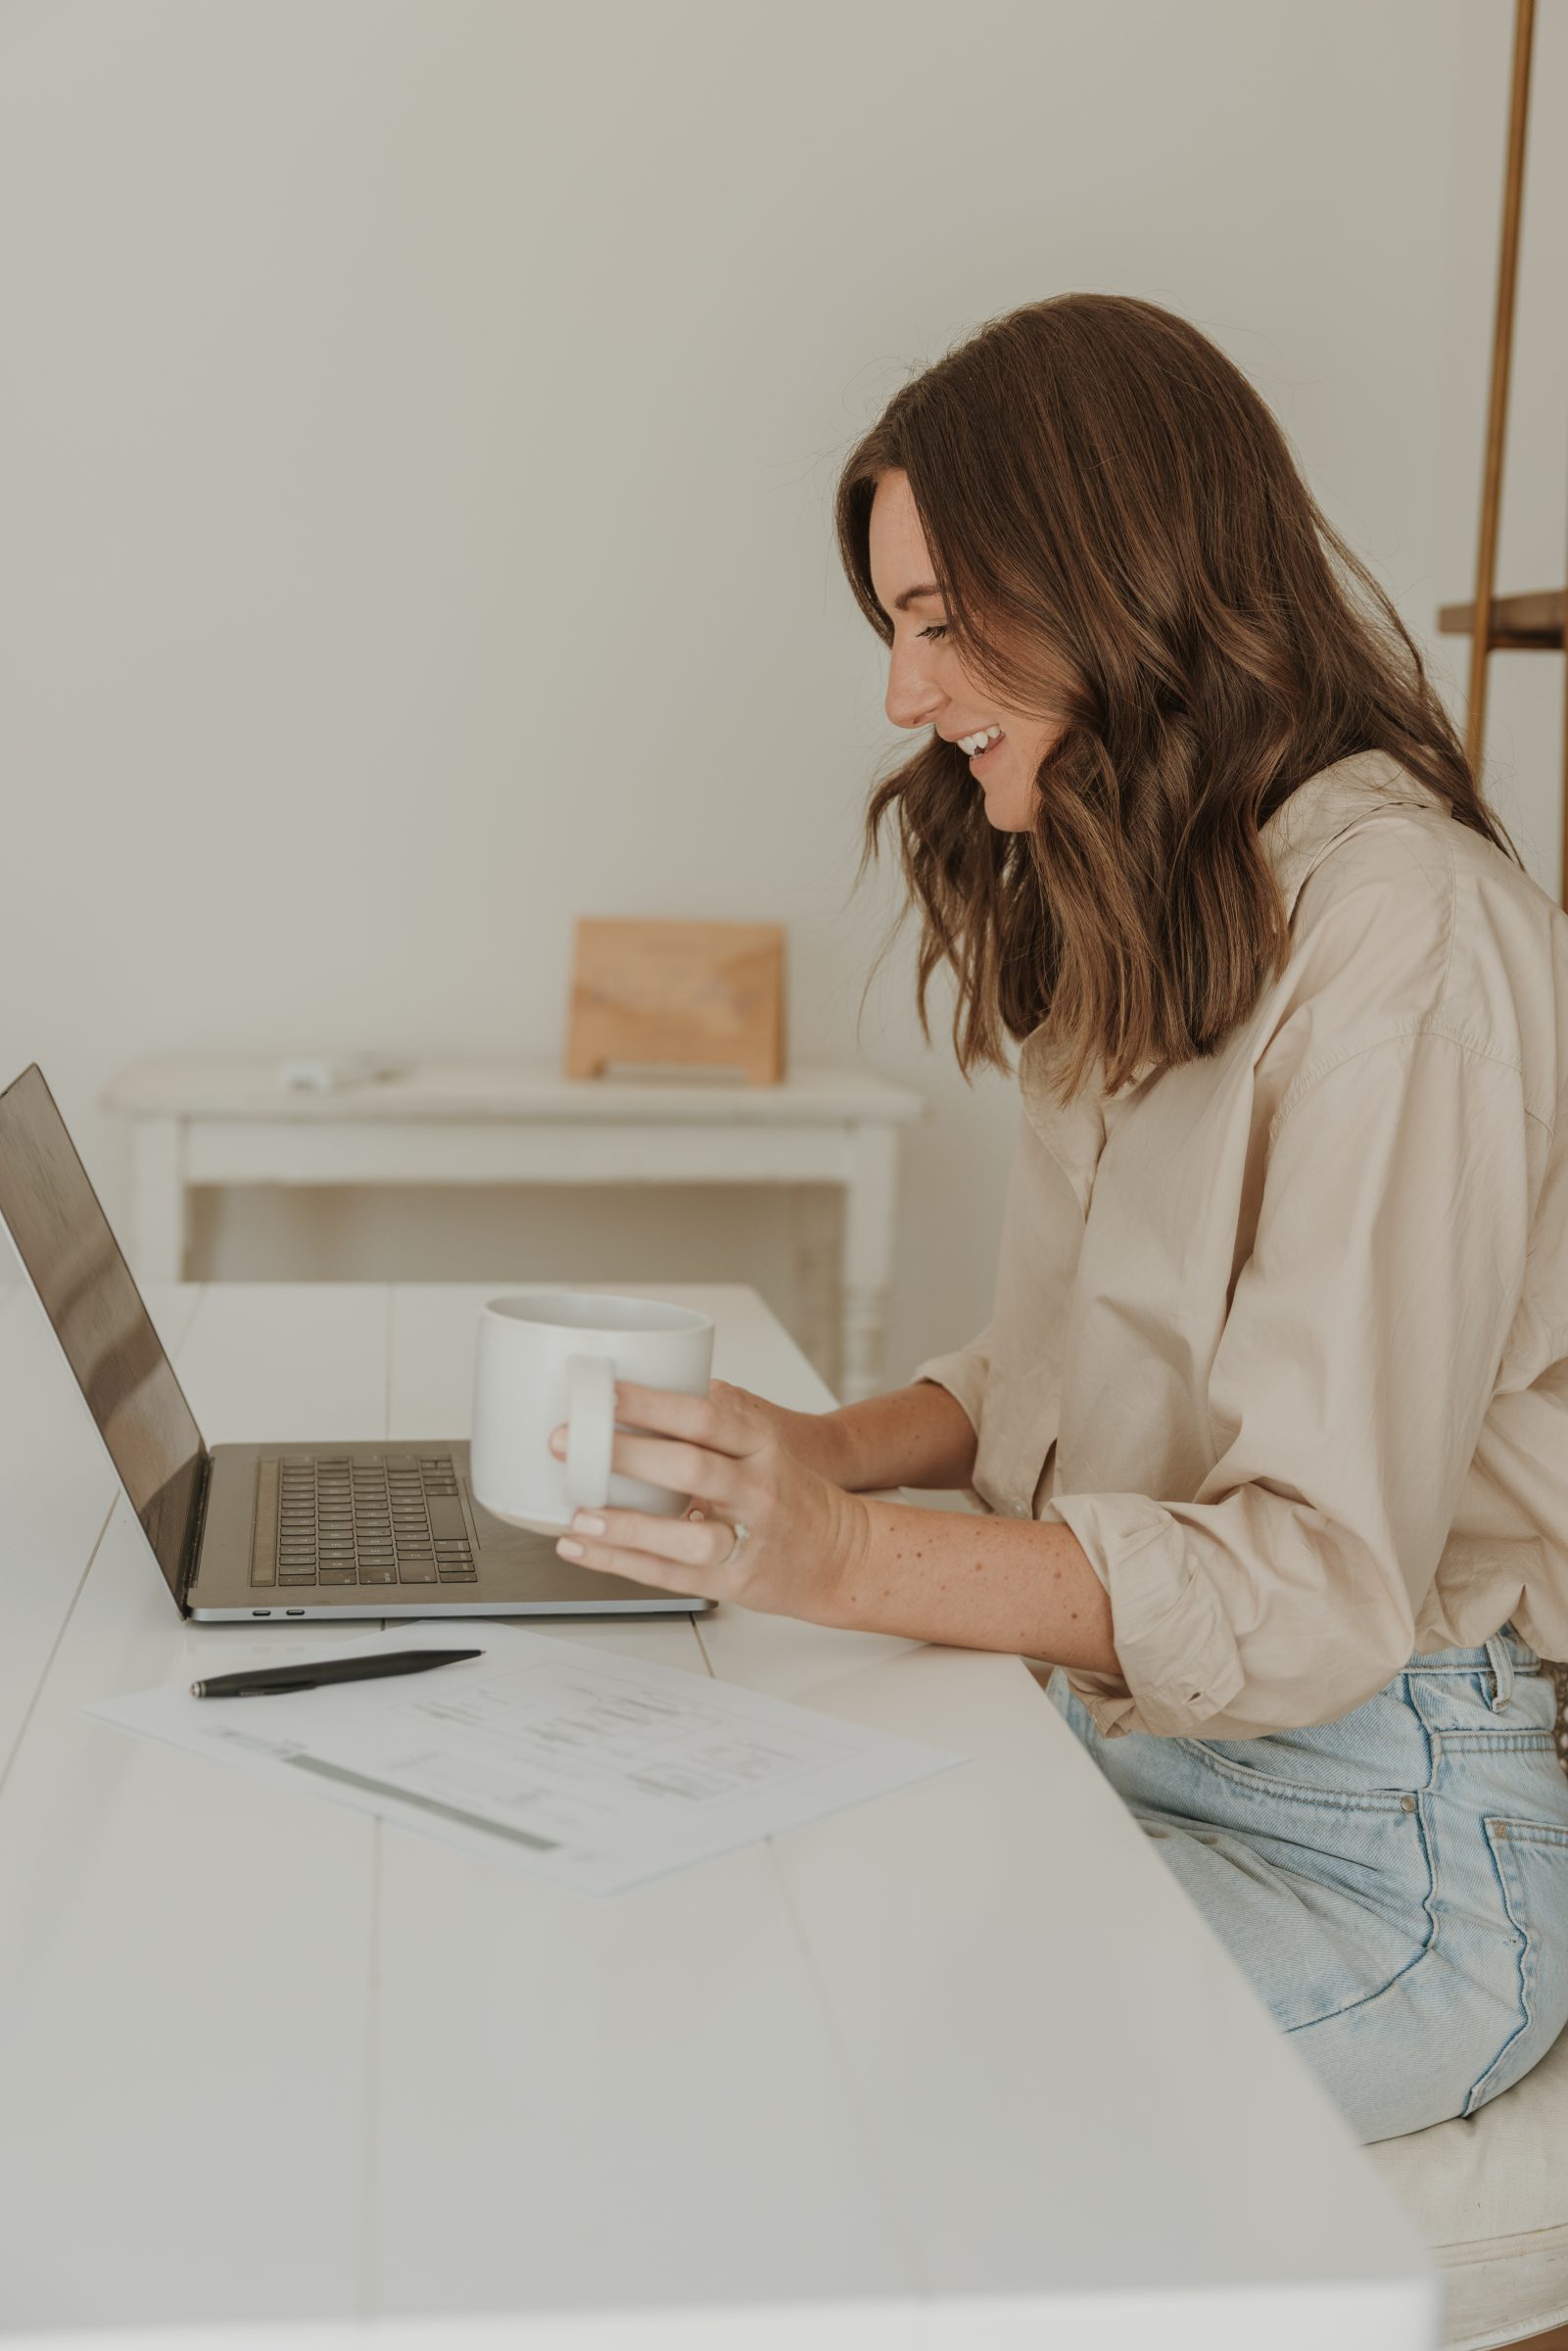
{"type": "Point", "coordinates": [959, 2069]}
{"type": "Point", "coordinates": [232, 1122]}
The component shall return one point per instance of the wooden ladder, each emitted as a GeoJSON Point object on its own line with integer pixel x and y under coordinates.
{"type": "Point", "coordinates": [1536, 622]}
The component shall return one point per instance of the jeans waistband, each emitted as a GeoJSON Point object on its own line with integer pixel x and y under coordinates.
{"type": "Point", "coordinates": [1504, 1655]}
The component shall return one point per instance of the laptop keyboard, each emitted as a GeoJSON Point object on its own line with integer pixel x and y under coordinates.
{"type": "Point", "coordinates": [359, 1519]}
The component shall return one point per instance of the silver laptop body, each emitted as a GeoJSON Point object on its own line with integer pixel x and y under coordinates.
{"type": "Point", "coordinates": [256, 1532]}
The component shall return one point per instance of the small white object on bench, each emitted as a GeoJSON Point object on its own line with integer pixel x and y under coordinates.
{"type": "Point", "coordinates": [328, 1072]}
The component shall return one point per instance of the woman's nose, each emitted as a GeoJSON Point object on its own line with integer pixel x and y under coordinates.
{"type": "Point", "coordinates": [910, 702]}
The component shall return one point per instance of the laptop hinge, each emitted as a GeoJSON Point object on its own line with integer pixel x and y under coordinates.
{"type": "Point", "coordinates": [194, 1530]}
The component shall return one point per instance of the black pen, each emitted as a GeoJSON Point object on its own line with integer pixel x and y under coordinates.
{"type": "Point", "coordinates": [265, 1679]}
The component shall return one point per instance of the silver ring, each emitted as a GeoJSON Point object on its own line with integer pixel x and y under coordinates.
{"type": "Point", "coordinates": [739, 1529]}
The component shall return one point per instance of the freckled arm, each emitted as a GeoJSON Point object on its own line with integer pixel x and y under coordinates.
{"type": "Point", "coordinates": [976, 1583]}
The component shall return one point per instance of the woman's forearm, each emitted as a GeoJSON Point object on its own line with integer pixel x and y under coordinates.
{"type": "Point", "coordinates": [915, 1436]}
{"type": "Point", "coordinates": [976, 1583]}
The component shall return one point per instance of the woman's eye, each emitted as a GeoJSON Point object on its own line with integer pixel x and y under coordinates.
{"type": "Point", "coordinates": [938, 628]}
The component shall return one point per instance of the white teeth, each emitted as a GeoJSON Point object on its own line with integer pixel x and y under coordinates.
{"type": "Point", "coordinates": [971, 744]}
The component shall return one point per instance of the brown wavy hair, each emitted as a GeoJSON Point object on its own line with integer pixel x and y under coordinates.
{"type": "Point", "coordinates": [1123, 541]}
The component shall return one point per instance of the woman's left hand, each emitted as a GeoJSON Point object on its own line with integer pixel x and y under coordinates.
{"type": "Point", "coordinates": [806, 1537]}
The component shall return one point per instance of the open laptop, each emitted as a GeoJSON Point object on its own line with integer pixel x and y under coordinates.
{"type": "Point", "coordinates": [263, 1531]}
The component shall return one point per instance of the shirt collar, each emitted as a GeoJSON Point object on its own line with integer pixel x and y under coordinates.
{"type": "Point", "coordinates": [1326, 806]}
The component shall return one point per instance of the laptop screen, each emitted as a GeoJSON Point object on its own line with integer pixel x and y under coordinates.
{"type": "Point", "coordinates": [62, 1238]}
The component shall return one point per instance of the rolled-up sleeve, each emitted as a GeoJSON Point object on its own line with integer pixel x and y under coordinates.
{"type": "Point", "coordinates": [1345, 1398]}
{"type": "Point", "coordinates": [963, 1372]}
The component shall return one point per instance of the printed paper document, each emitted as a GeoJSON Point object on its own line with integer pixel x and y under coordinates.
{"type": "Point", "coordinates": [568, 1761]}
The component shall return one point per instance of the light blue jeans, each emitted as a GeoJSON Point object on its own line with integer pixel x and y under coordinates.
{"type": "Point", "coordinates": [1395, 1883]}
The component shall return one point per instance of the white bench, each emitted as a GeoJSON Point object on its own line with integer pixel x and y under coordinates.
{"type": "Point", "coordinates": [217, 1121]}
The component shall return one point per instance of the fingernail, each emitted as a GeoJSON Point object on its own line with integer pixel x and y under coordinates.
{"type": "Point", "coordinates": [571, 1550]}
{"type": "Point", "coordinates": [587, 1524]}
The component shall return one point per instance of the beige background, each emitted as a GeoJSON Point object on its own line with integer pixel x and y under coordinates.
{"type": "Point", "coordinates": [417, 428]}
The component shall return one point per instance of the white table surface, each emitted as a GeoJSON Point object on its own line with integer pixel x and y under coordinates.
{"type": "Point", "coordinates": [960, 2067]}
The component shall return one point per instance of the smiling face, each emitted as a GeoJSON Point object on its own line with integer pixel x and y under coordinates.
{"type": "Point", "coordinates": [927, 685]}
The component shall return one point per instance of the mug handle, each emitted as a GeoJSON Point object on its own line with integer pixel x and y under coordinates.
{"type": "Point", "coordinates": [589, 1430]}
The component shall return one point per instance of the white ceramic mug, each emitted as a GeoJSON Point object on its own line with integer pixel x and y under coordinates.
{"type": "Point", "coordinates": [549, 1358]}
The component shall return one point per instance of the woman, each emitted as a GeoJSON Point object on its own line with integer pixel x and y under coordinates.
{"type": "Point", "coordinates": [1270, 1421]}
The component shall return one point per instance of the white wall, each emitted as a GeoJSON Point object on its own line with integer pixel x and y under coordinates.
{"type": "Point", "coordinates": [418, 421]}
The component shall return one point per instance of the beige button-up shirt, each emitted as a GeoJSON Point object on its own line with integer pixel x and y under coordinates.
{"type": "Point", "coordinates": [1282, 1335]}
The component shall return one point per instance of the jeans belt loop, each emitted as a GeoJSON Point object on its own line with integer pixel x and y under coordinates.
{"type": "Point", "coordinates": [1501, 1673]}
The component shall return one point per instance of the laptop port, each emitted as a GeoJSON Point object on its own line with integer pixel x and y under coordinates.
{"type": "Point", "coordinates": [260, 1611]}
{"type": "Point", "coordinates": [294, 1611]}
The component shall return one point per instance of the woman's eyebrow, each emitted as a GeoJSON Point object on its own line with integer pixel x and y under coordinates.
{"type": "Point", "coordinates": [912, 596]}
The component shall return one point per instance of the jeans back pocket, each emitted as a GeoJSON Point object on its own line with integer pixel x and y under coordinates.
{"type": "Point", "coordinates": [1530, 1859]}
